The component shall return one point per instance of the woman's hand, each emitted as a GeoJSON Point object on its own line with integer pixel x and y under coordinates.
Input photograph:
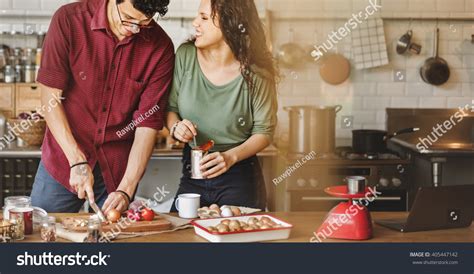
{"type": "Point", "coordinates": [82, 181]}
{"type": "Point", "coordinates": [115, 200]}
{"type": "Point", "coordinates": [185, 131]}
{"type": "Point", "coordinates": [217, 163]}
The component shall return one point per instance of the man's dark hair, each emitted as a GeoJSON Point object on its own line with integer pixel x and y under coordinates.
{"type": "Point", "coordinates": [150, 7]}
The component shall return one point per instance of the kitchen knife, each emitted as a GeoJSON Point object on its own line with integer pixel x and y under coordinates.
{"type": "Point", "coordinates": [97, 210]}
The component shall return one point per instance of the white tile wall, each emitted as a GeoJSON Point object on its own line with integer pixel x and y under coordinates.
{"type": "Point", "coordinates": [6, 4]}
{"type": "Point", "coordinates": [26, 5]}
{"type": "Point", "coordinates": [368, 92]}
{"type": "Point", "coordinates": [52, 4]}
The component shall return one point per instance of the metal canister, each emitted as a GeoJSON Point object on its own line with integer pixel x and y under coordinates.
{"type": "Point", "coordinates": [9, 74]}
{"type": "Point", "coordinates": [196, 157]}
{"type": "Point", "coordinates": [37, 68]}
{"type": "Point", "coordinates": [29, 74]}
{"type": "Point", "coordinates": [355, 184]}
{"type": "Point", "coordinates": [19, 74]}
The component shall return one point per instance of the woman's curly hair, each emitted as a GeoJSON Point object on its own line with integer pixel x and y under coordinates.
{"type": "Point", "coordinates": [244, 33]}
{"type": "Point", "coordinates": [150, 7]}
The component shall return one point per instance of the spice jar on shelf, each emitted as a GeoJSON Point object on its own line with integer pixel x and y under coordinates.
{"type": "Point", "coordinates": [48, 229]}
{"type": "Point", "coordinates": [3, 63]}
{"type": "Point", "coordinates": [29, 57]}
{"type": "Point", "coordinates": [30, 74]}
{"type": "Point", "coordinates": [39, 52]}
{"type": "Point", "coordinates": [37, 67]}
{"type": "Point", "coordinates": [19, 74]}
{"type": "Point", "coordinates": [9, 74]}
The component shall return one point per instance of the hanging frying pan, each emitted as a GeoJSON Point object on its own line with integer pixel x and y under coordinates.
{"type": "Point", "coordinates": [291, 55]}
{"type": "Point", "coordinates": [435, 70]}
{"type": "Point", "coordinates": [335, 68]}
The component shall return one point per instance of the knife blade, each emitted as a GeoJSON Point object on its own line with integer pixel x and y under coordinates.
{"type": "Point", "coordinates": [98, 211]}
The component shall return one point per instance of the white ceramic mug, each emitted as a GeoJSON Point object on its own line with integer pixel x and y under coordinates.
{"type": "Point", "coordinates": [188, 205]}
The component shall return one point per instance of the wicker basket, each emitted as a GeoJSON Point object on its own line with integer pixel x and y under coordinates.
{"type": "Point", "coordinates": [31, 131]}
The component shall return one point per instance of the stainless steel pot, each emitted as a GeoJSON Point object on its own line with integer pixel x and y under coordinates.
{"type": "Point", "coordinates": [312, 128]}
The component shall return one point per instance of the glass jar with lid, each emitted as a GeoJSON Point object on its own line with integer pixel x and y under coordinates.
{"type": "Point", "coordinates": [3, 58]}
{"type": "Point", "coordinates": [39, 52]}
{"type": "Point", "coordinates": [15, 201]}
{"type": "Point", "coordinates": [48, 229]}
{"type": "Point", "coordinates": [18, 227]}
{"type": "Point", "coordinates": [29, 57]}
{"type": "Point", "coordinates": [9, 74]}
{"type": "Point", "coordinates": [19, 74]}
{"type": "Point", "coordinates": [3, 63]}
{"type": "Point", "coordinates": [30, 74]}
{"type": "Point", "coordinates": [94, 230]}
{"type": "Point", "coordinates": [7, 230]}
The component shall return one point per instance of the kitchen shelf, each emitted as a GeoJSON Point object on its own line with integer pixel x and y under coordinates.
{"type": "Point", "coordinates": [172, 15]}
{"type": "Point", "coordinates": [311, 15]}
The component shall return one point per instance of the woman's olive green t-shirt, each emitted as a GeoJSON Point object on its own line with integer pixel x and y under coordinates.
{"type": "Point", "coordinates": [227, 114]}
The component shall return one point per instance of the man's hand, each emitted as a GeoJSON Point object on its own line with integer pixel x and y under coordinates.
{"type": "Point", "coordinates": [142, 148]}
{"type": "Point", "coordinates": [82, 181]}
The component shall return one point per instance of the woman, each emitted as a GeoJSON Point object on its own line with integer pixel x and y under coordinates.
{"type": "Point", "coordinates": [224, 90]}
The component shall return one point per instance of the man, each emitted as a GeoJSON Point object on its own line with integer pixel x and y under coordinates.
{"type": "Point", "coordinates": [111, 65]}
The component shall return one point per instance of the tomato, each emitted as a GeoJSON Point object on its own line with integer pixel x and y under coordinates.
{"type": "Point", "coordinates": [207, 146]}
{"type": "Point", "coordinates": [147, 214]}
{"type": "Point", "coordinates": [132, 215]}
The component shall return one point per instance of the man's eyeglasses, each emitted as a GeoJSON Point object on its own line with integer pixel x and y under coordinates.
{"type": "Point", "coordinates": [134, 26]}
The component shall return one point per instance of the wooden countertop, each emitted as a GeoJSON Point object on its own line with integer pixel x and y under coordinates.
{"type": "Point", "coordinates": [305, 223]}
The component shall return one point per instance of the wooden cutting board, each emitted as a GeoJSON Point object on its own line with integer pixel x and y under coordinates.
{"type": "Point", "coordinates": [158, 224]}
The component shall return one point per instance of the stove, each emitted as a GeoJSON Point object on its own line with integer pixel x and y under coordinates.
{"type": "Point", "coordinates": [388, 172]}
{"type": "Point", "coordinates": [348, 154]}
{"type": "Point", "coordinates": [439, 157]}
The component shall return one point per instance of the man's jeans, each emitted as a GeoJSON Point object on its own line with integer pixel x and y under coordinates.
{"type": "Point", "coordinates": [50, 195]}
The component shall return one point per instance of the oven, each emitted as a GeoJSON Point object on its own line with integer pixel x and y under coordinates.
{"type": "Point", "coordinates": [391, 178]}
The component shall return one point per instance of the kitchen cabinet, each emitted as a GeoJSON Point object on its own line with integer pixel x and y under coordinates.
{"type": "Point", "coordinates": [18, 98]}
{"type": "Point", "coordinates": [17, 176]}
{"type": "Point", "coordinates": [28, 97]}
{"type": "Point", "coordinates": [159, 183]}
{"type": "Point", "coordinates": [7, 99]}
